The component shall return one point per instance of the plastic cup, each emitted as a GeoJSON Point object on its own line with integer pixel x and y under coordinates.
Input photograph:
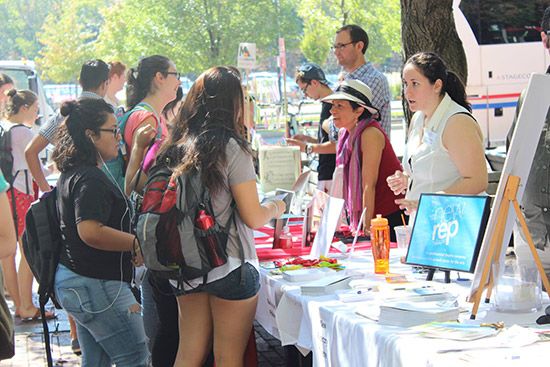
{"type": "Point", "coordinates": [403, 236]}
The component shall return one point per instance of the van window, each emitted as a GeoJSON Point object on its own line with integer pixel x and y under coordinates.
{"type": "Point", "coordinates": [20, 77]}
{"type": "Point", "coordinates": [511, 21]}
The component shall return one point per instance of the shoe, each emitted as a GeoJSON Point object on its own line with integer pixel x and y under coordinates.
{"type": "Point", "coordinates": [37, 317]}
{"type": "Point", "coordinates": [75, 346]}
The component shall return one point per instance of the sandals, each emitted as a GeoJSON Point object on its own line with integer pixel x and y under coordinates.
{"type": "Point", "coordinates": [36, 317]}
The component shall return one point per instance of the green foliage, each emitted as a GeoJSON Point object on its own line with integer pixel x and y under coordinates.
{"type": "Point", "coordinates": [196, 34]}
{"type": "Point", "coordinates": [21, 20]}
{"type": "Point", "coordinates": [69, 38]}
{"type": "Point", "coordinates": [380, 18]}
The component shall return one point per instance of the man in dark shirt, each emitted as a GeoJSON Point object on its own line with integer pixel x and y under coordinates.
{"type": "Point", "coordinates": [536, 197]}
{"type": "Point", "coordinates": [313, 84]}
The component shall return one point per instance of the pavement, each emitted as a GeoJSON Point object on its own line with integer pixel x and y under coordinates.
{"type": "Point", "coordinates": [30, 350]}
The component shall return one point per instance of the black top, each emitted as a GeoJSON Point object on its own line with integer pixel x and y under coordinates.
{"type": "Point", "coordinates": [327, 162]}
{"type": "Point", "coordinates": [86, 193]}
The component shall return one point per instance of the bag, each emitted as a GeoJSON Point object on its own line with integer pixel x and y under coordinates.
{"type": "Point", "coordinates": [179, 236]}
{"type": "Point", "coordinates": [6, 165]}
{"type": "Point", "coordinates": [42, 243]}
{"type": "Point", "coordinates": [7, 341]}
{"type": "Point", "coordinates": [115, 169]}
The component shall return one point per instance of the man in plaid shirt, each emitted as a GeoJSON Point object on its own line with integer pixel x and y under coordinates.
{"type": "Point", "coordinates": [349, 47]}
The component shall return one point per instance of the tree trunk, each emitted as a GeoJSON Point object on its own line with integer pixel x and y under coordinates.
{"type": "Point", "coordinates": [428, 25]}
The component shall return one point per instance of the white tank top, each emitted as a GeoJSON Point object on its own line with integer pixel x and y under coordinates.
{"type": "Point", "coordinates": [427, 162]}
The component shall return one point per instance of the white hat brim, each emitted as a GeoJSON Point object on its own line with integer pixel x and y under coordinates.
{"type": "Point", "coordinates": [339, 96]}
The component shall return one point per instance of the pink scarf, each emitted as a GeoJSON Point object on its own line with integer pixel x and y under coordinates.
{"type": "Point", "coordinates": [349, 154]}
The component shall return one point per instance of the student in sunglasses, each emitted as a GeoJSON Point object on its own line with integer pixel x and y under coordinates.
{"type": "Point", "coordinates": [311, 80]}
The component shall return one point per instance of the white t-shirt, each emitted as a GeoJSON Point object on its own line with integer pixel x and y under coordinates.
{"type": "Point", "coordinates": [20, 137]}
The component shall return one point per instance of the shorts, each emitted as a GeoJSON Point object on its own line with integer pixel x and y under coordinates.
{"type": "Point", "coordinates": [22, 204]}
{"type": "Point", "coordinates": [230, 287]}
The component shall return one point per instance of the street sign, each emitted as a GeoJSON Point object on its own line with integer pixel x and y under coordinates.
{"type": "Point", "coordinates": [246, 57]}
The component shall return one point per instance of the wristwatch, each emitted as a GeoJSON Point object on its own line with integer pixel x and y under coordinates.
{"type": "Point", "coordinates": [309, 149]}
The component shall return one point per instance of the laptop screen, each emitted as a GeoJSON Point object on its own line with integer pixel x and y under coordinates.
{"type": "Point", "coordinates": [448, 230]}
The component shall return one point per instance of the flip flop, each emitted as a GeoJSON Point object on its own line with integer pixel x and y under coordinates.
{"type": "Point", "coordinates": [37, 317]}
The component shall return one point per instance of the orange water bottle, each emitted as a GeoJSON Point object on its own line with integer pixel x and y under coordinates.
{"type": "Point", "coordinates": [380, 242]}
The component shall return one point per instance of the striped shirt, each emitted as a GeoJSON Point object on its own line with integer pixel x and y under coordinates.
{"type": "Point", "coordinates": [379, 86]}
{"type": "Point", "coordinates": [49, 130]}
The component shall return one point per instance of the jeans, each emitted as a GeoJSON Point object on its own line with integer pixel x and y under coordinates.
{"type": "Point", "coordinates": [235, 286]}
{"type": "Point", "coordinates": [150, 313]}
{"type": "Point", "coordinates": [109, 323]}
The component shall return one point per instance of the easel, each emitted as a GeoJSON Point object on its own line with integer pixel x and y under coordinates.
{"type": "Point", "coordinates": [487, 276]}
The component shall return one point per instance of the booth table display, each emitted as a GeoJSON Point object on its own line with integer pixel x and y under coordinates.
{"type": "Point", "coordinates": [338, 336]}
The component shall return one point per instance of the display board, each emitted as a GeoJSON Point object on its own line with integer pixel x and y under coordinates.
{"type": "Point", "coordinates": [518, 163]}
{"type": "Point", "coordinates": [448, 231]}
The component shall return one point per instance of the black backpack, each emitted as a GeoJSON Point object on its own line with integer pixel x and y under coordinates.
{"type": "Point", "coordinates": [42, 242]}
{"type": "Point", "coordinates": [173, 245]}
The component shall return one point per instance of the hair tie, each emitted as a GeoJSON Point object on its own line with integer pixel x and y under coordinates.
{"type": "Point", "coordinates": [12, 92]}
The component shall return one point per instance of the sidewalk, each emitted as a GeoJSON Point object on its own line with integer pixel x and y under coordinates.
{"type": "Point", "coordinates": [30, 351]}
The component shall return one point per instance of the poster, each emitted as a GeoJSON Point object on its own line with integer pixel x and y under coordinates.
{"type": "Point", "coordinates": [246, 56]}
{"type": "Point", "coordinates": [448, 230]}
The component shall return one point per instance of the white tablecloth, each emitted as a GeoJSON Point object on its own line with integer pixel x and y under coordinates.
{"type": "Point", "coordinates": [339, 337]}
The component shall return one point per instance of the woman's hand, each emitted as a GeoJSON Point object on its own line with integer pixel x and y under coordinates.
{"type": "Point", "coordinates": [398, 182]}
{"type": "Point", "coordinates": [297, 142]}
{"type": "Point", "coordinates": [281, 207]}
{"type": "Point", "coordinates": [410, 206]}
{"type": "Point", "coordinates": [144, 135]}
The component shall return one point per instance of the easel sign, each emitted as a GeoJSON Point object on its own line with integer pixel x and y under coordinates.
{"type": "Point", "coordinates": [510, 191]}
{"type": "Point", "coordinates": [448, 231]}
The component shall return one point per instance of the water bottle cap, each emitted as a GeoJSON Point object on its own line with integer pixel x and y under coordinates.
{"type": "Point", "coordinates": [379, 221]}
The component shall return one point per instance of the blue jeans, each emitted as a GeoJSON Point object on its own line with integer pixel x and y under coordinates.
{"type": "Point", "coordinates": [150, 313]}
{"type": "Point", "coordinates": [109, 323]}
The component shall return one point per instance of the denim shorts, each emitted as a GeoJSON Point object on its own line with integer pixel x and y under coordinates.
{"type": "Point", "coordinates": [230, 287]}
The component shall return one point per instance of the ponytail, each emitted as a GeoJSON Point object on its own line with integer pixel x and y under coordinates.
{"type": "Point", "coordinates": [17, 99]}
{"type": "Point", "coordinates": [139, 80]}
{"type": "Point", "coordinates": [456, 90]}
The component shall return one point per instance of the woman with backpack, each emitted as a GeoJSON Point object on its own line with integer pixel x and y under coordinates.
{"type": "Point", "coordinates": [92, 281]}
{"type": "Point", "coordinates": [21, 110]}
{"type": "Point", "coordinates": [208, 137]}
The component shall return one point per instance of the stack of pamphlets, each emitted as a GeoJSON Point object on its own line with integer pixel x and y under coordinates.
{"type": "Point", "coordinates": [326, 285]}
{"type": "Point", "coordinates": [411, 313]}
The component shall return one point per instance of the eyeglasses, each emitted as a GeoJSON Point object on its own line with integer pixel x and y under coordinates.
{"type": "Point", "coordinates": [175, 73]}
{"type": "Point", "coordinates": [115, 131]}
{"type": "Point", "coordinates": [304, 90]}
{"type": "Point", "coordinates": [340, 46]}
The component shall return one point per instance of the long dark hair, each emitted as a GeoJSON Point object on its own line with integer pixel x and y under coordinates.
{"type": "Point", "coordinates": [73, 147]}
{"type": "Point", "coordinates": [433, 68]}
{"type": "Point", "coordinates": [17, 99]}
{"type": "Point", "coordinates": [139, 80]}
{"type": "Point", "coordinates": [211, 114]}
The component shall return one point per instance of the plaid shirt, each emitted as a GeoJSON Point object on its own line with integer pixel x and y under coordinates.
{"type": "Point", "coordinates": [379, 86]}
{"type": "Point", "coordinates": [49, 130]}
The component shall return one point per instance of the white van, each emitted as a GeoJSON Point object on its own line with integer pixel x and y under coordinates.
{"type": "Point", "coordinates": [24, 76]}
{"type": "Point", "coordinates": [503, 47]}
